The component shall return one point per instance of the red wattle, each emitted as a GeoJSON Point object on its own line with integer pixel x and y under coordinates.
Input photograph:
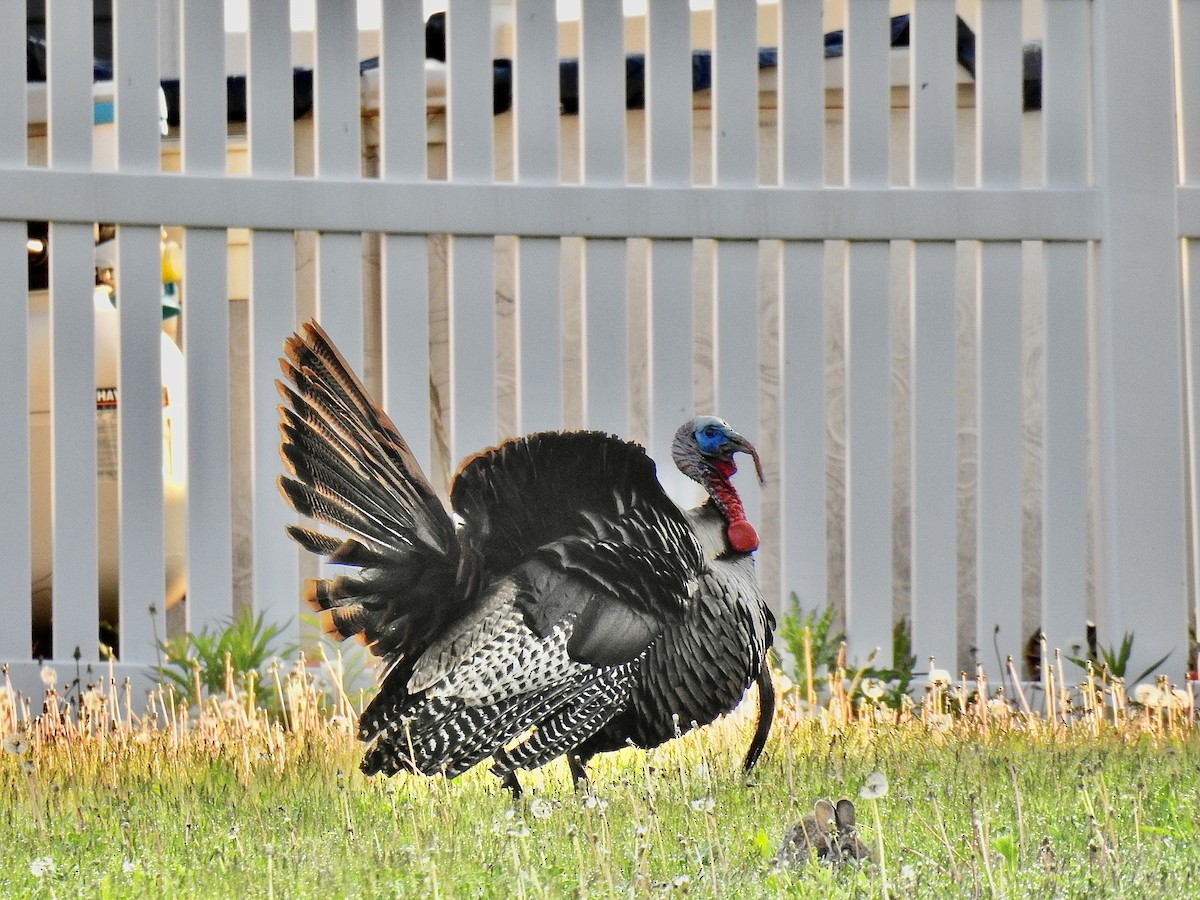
{"type": "Point", "coordinates": [742, 536]}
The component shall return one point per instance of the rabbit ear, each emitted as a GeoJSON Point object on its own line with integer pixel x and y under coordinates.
{"type": "Point", "coordinates": [845, 814]}
{"type": "Point", "coordinates": [825, 814]}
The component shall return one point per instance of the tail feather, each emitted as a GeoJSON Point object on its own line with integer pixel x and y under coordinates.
{"type": "Point", "coordinates": [352, 470]}
{"type": "Point", "coordinates": [320, 449]}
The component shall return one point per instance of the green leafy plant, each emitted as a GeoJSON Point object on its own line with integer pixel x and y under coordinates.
{"type": "Point", "coordinates": [1116, 660]}
{"type": "Point", "coordinates": [898, 678]}
{"type": "Point", "coordinates": [244, 644]}
{"type": "Point", "coordinates": [823, 644]}
{"type": "Point", "coordinates": [814, 633]}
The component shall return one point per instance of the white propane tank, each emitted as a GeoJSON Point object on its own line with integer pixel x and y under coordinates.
{"type": "Point", "coordinates": [174, 474]}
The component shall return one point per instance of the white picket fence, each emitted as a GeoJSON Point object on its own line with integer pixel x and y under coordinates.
{"type": "Point", "coordinates": [634, 301]}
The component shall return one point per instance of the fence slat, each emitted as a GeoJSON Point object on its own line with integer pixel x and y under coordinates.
{"type": "Point", "coordinates": [1189, 124]}
{"type": "Point", "coordinates": [75, 553]}
{"type": "Point", "coordinates": [142, 572]}
{"type": "Point", "coordinates": [141, 566]}
{"type": "Point", "coordinates": [539, 295]}
{"type": "Point", "coordinates": [405, 279]}
{"type": "Point", "coordinates": [669, 263]}
{"type": "Point", "coordinates": [735, 163]}
{"type": "Point", "coordinates": [15, 499]}
{"type": "Point", "coordinates": [803, 509]}
{"type": "Point", "coordinates": [934, 549]}
{"type": "Point", "coordinates": [338, 156]}
{"type": "Point", "coordinates": [473, 402]}
{"type": "Point", "coordinates": [868, 345]}
{"type": "Point", "coordinates": [209, 470]}
{"type": "Point", "coordinates": [802, 419]}
{"type": "Point", "coordinates": [1066, 386]}
{"type": "Point", "coordinates": [206, 337]}
{"type": "Point", "coordinates": [669, 276]}
{"type": "Point", "coordinates": [998, 404]}
{"type": "Point", "coordinates": [1138, 329]}
{"type": "Point", "coordinates": [602, 138]}
{"type": "Point", "coordinates": [275, 578]}
{"type": "Point", "coordinates": [539, 312]}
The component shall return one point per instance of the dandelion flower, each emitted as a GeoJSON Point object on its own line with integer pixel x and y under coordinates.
{"type": "Point", "coordinates": [49, 676]}
{"type": "Point", "coordinates": [15, 744]}
{"type": "Point", "coordinates": [874, 787]}
{"type": "Point", "coordinates": [42, 866]}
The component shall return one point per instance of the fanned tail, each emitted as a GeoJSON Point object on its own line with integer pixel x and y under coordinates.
{"type": "Point", "coordinates": [351, 469]}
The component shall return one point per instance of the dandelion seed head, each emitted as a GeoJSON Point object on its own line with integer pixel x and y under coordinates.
{"type": "Point", "coordinates": [92, 701]}
{"type": "Point", "coordinates": [703, 804]}
{"type": "Point", "coordinates": [539, 808]}
{"type": "Point", "coordinates": [939, 677]}
{"type": "Point", "coordinates": [873, 688]}
{"type": "Point", "coordinates": [49, 676]}
{"type": "Point", "coordinates": [874, 787]}
{"type": "Point", "coordinates": [42, 866]}
{"type": "Point", "coordinates": [15, 744]}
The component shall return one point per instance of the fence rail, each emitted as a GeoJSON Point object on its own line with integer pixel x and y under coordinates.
{"type": "Point", "coordinates": [955, 324]}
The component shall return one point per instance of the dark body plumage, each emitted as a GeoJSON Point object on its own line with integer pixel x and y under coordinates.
{"type": "Point", "coordinates": [574, 609]}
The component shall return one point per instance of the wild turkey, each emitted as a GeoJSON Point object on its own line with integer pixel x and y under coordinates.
{"type": "Point", "coordinates": [574, 609]}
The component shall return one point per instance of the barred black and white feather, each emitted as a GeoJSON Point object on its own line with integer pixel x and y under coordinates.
{"type": "Point", "coordinates": [568, 607]}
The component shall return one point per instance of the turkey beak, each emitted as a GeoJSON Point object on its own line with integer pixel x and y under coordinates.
{"type": "Point", "coordinates": [740, 444]}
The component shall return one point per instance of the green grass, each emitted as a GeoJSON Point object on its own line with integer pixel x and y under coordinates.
{"type": "Point", "coordinates": [240, 808]}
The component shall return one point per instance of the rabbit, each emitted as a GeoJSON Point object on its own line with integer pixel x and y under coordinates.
{"type": "Point", "coordinates": [829, 830]}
